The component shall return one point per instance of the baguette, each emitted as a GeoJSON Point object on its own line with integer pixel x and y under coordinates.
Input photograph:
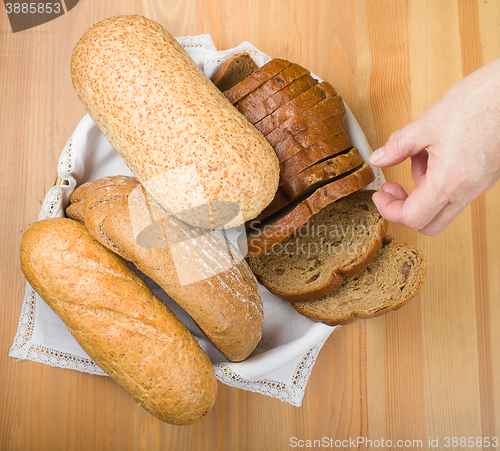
{"type": "Point", "coordinates": [178, 134]}
{"type": "Point", "coordinates": [123, 327]}
{"type": "Point", "coordinates": [224, 300]}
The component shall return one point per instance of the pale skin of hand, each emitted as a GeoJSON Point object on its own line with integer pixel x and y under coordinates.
{"type": "Point", "coordinates": [454, 148]}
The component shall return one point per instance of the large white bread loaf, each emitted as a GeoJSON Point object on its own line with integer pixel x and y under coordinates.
{"type": "Point", "coordinates": [114, 316]}
{"type": "Point", "coordinates": [180, 137]}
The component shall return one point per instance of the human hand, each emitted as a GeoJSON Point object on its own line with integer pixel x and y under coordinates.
{"type": "Point", "coordinates": [454, 148]}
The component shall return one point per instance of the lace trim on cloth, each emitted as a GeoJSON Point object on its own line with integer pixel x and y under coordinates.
{"type": "Point", "coordinates": [287, 392]}
{"type": "Point", "coordinates": [288, 386]}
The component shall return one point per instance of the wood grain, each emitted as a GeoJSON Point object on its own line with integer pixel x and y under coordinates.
{"type": "Point", "coordinates": [428, 370]}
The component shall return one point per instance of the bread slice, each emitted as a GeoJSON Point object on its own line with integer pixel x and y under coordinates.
{"type": "Point", "coordinates": [255, 79]}
{"type": "Point", "coordinates": [338, 242]}
{"type": "Point", "coordinates": [303, 158]}
{"type": "Point", "coordinates": [395, 274]}
{"type": "Point", "coordinates": [301, 103]}
{"type": "Point", "coordinates": [255, 111]}
{"type": "Point", "coordinates": [263, 236]}
{"type": "Point", "coordinates": [234, 70]}
{"type": "Point", "coordinates": [321, 173]}
{"type": "Point", "coordinates": [333, 106]}
{"type": "Point", "coordinates": [288, 75]}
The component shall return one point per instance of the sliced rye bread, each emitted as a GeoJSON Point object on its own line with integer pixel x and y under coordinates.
{"type": "Point", "coordinates": [395, 274]}
{"type": "Point", "coordinates": [321, 150]}
{"type": "Point", "coordinates": [296, 106]}
{"type": "Point", "coordinates": [234, 70]}
{"type": "Point", "coordinates": [263, 236]}
{"type": "Point", "coordinates": [318, 131]}
{"type": "Point", "coordinates": [255, 79]}
{"type": "Point", "coordinates": [287, 76]}
{"type": "Point", "coordinates": [321, 173]}
{"type": "Point", "coordinates": [309, 180]}
{"type": "Point", "coordinates": [313, 261]}
{"type": "Point", "coordinates": [332, 106]}
{"type": "Point", "coordinates": [255, 111]}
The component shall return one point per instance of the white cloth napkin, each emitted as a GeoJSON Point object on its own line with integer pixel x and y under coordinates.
{"type": "Point", "coordinates": [282, 362]}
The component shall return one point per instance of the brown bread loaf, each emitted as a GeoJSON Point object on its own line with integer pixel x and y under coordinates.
{"type": "Point", "coordinates": [296, 106]}
{"type": "Point", "coordinates": [225, 302]}
{"type": "Point", "coordinates": [123, 327]}
{"type": "Point", "coordinates": [314, 259]}
{"type": "Point", "coordinates": [318, 113]}
{"type": "Point", "coordinates": [287, 76]}
{"type": "Point", "coordinates": [180, 137]}
{"type": "Point", "coordinates": [393, 277]}
{"type": "Point", "coordinates": [256, 111]}
{"type": "Point", "coordinates": [255, 79]}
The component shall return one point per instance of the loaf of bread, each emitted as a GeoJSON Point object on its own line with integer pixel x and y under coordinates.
{"type": "Point", "coordinates": [123, 327]}
{"type": "Point", "coordinates": [181, 138]}
{"type": "Point", "coordinates": [201, 271]}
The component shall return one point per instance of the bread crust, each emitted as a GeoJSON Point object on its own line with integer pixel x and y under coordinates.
{"type": "Point", "coordinates": [301, 290]}
{"type": "Point", "coordinates": [117, 320]}
{"type": "Point", "coordinates": [296, 106]}
{"type": "Point", "coordinates": [226, 303]}
{"type": "Point", "coordinates": [321, 172]}
{"type": "Point", "coordinates": [256, 111]}
{"type": "Point", "coordinates": [393, 296]}
{"type": "Point", "coordinates": [304, 158]}
{"type": "Point", "coordinates": [177, 133]}
{"type": "Point", "coordinates": [256, 79]}
{"type": "Point", "coordinates": [332, 106]}
{"type": "Point", "coordinates": [234, 70]}
{"type": "Point", "coordinates": [275, 229]}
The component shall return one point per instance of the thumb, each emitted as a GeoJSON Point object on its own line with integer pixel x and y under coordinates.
{"type": "Point", "coordinates": [402, 144]}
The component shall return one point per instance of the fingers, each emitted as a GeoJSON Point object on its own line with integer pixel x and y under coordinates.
{"type": "Point", "coordinates": [402, 144]}
{"type": "Point", "coordinates": [419, 166]}
{"type": "Point", "coordinates": [415, 211]}
{"type": "Point", "coordinates": [443, 219]}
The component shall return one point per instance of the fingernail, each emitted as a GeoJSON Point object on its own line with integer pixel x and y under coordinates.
{"type": "Point", "coordinates": [376, 156]}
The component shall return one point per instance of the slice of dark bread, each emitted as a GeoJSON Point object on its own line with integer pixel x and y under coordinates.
{"type": "Point", "coordinates": [255, 79]}
{"type": "Point", "coordinates": [338, 242]}
{"type": "Point", "coordinates": [395, 274]}
{"type": "Point", "coordinates": [301, 103]}
{"type": "Point", "coordinates": [263, 236]}
{"type": "Point", "coordinates": [321, 173]}
{"type": "Point", "coordinates": [234, 70]}
{"type": "Point", "coordinates": [258, 110]}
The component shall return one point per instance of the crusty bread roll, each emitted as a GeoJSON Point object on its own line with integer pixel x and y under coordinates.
{"type": "Point", "coordinates": [122, 326]}
{"type": "Point", "coordinates": [201, 271]}
{"type": "Point", "coordinates": [178, 134]}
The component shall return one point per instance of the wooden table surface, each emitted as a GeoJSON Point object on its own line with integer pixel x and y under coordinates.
{"type": "Point", "coordinates": [425, 372]}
